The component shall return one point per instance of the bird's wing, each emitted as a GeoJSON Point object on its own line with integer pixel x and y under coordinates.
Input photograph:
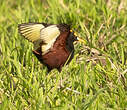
{"type": "Point", "coordinates": [31, 31]}
{"type": "Point", "coordinates": [38, 33]}
{"type": "Point", "coordinates": [49, 36]}
{"type": "Point", "coordinates": [50, 33]}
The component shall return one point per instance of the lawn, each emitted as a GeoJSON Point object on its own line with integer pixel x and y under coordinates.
{"type": "Point", "coordinates": [96, 79]}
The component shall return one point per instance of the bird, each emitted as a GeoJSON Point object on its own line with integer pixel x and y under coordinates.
{"type": "Point", "coordinates": [53, 43]}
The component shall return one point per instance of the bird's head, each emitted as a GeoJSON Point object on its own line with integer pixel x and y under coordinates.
{"type": "Point", "coordinates": [74, 37]}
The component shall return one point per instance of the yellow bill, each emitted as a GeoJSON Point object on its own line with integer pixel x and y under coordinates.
{"type": "Point", "coordinates": [81, 40]}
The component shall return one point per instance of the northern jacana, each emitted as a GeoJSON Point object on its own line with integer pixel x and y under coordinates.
{"type": "Point", "coordinates": [53, 43]}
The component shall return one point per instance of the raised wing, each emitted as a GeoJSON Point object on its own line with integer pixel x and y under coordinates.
{"type": "Point", "coordinates": [31, 31]}
{"type": "Point", "coordinates": [49, 36]}
{"type": "Point", "coordinates": [42, 34]}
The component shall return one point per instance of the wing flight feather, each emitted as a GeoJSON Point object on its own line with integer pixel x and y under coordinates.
{"type": "Point", "coordinates": [31, 31]}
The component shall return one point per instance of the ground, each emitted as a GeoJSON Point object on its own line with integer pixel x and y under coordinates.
{"type": "Point", "coordinates": [97, 76]}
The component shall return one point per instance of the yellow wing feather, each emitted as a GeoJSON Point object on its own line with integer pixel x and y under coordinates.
{"type": "Point", "coordinates": [37, 33]}
{"type": "Point", "coordinates": [49, 35]}
{"type": "Point", "coordinates": [31, 31]}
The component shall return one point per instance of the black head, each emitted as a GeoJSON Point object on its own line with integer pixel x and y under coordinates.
{"type": "Point", "coordinates": [70, 39]}
{"type": "Point", "coordinates": [72, 36]}
{"type": "Point", "coordinates": [69, 44]}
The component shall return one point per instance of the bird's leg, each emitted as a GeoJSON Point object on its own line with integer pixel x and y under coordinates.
{"type": "Point", "coordinates": [60, 85]}
{"type": "Point", "coordinates": [61, 81]}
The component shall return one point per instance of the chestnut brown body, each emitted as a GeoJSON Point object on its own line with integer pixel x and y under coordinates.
{"type": "Point", "coordinates": [61, 51]}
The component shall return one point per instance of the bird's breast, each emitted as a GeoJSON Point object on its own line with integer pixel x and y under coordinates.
{"type": "Point", "coordinates": [56, 58]}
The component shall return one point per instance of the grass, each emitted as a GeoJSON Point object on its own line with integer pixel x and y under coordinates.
{"type": "Point", "coordinates": [97, 76]}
